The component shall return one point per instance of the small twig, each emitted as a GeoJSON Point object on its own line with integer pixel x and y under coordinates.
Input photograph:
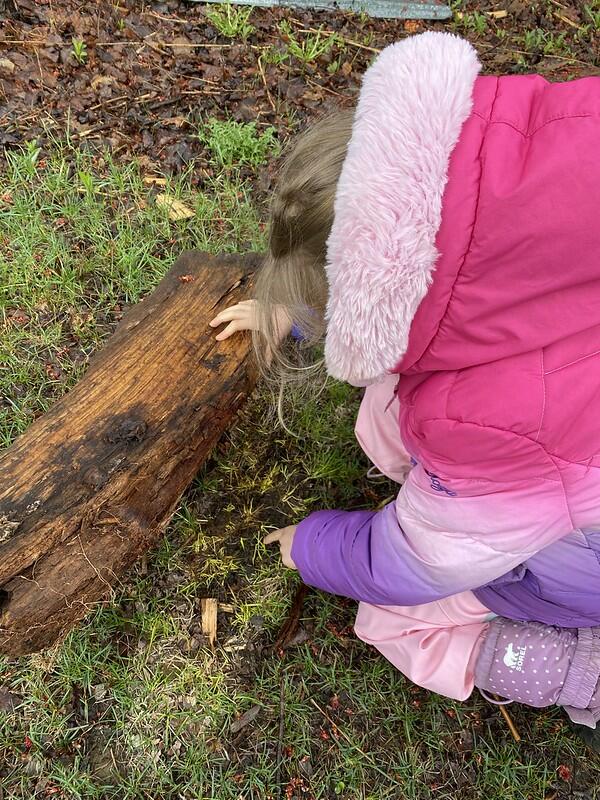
{"type": "Point", "coordinates": [158, 44]}
{"type": "Point", "coordinates": [206, 92]}
{"type": "Point", "coordinates": [37, 58]}
{"type": "Point", "coordinates": [96, 129]}
{"type": "Point", "coordinates": [288, 629]}
{"type": "Point", "coordinates": [509, 722]}
{"type": "Point", "coordinates": [264, 80]}
{"type": "Point", "coordinates": [37, 43]}
{"type": "Point", "coordinates": [281, 729]}
{"type": "Point", "coordinates": [326, 89]}
{"type": "Point", "coordinates": [122, 98]}
{"type": "Point", "coordinates": [176, 20]}
{"type": "Point", "coordinates": [570, 22]}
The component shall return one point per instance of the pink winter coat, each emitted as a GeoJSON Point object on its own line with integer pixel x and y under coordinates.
{"type": "Point", "coordinates": [465, 257]}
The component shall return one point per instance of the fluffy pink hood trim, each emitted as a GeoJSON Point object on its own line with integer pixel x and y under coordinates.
{"type": "Point", "coordinates": [381, 252]}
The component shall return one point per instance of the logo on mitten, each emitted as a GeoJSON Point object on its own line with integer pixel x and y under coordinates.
{"type": "Point", "coordinates": [514, 659]}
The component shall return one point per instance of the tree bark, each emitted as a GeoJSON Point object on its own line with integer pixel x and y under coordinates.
{"type": "Point", "coordinates": [93, 483]}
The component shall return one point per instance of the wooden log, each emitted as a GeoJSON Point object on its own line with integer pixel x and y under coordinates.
{"type": "Point", "coordinates": [92, 484]}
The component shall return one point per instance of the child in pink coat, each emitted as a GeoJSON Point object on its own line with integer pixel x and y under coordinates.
{"type": "Point", "coordinates": [444, 240]}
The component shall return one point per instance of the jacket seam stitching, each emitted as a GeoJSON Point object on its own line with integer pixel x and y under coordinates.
{"type": "Point", "coordinates": [537, 436]}
{"type": "Point", "coordinates": [584, 115]}
{"type": "Point", "coordinates": [572, 363]}
{"type": "Point", "coordinates": [529, 134]}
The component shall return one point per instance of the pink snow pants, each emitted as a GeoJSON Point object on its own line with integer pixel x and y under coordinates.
{"type": "Point", "coordinates": [435, 645]}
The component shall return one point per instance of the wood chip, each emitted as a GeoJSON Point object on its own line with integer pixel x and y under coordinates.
{"type": "Point", "coordinates": [227, 608]}
{"type": "Point", "coordinates": [177, 209]}
{"type": "Point", "coordinates": [502, 14]}
{"type": "Point", "coordinates": [155, 180]}
{"type": "Point", "coordinates": [208, 608]}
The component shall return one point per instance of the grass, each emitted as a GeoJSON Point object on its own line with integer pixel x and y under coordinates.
{"type": "Point", "coordinates": [546, 42]}
{"type": "Point", "coordinates": [308, 48]}
{"type": "Point", "coordinates": [134, 704]}
{"type": "Point", "coordinates": [231, 21]}
{"type": "Point", "coordinates": [592, 12]}
{"type": "Point", "coordinates": [237, 144]}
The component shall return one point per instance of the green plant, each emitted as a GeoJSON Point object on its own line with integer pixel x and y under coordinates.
{"type": "Point", "coordinates": [79, 51]}
{"type": "Point", "coordinates": [273, 55]}
{"type": "Point", "coordinates": [231, 21]}
{"type": "Point", "coordinates": [547, 42]}
{"type": "Point", "coordinates": [26, 159]}
{"type": "Point", "coordinates": [309, 49]}
{"type": "Point", "coordinates": [236, 144]}
{"type": "Point", "coordinates": [476, 21]}
{"type": "Point", "coordinates": [593, 12]}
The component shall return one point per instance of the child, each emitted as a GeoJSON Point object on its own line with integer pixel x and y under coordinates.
{"type": "Point", "coordinates": [444, 241]}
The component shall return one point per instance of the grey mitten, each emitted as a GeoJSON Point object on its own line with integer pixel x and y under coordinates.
{"type": "Point", "coordinates": [540, 665]}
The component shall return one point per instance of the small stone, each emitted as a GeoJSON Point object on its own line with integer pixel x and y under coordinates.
{"type": "Point", "coordinates": [7, 65]}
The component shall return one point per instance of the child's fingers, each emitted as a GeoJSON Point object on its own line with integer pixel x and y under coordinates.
{"type": "Point", "coordinates": [232, 328]}
{"type": "Point", "coordinates": [274, 536]}
{"type": "Point", "coordinates": [233, 312]}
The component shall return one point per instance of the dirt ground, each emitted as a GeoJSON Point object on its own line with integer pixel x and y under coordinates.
{"type": "Point", "coordinates": [152, 69]}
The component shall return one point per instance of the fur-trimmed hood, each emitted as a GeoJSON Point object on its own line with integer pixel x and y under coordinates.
{"type": "Point", "coordinates": [381, 252]}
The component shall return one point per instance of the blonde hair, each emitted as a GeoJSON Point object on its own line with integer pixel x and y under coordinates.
{"type": "Point", "coordinates": [293, 275]}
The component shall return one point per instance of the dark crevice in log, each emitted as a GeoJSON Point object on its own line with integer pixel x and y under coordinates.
{"type": "Point", "coordinates": [4, 598]}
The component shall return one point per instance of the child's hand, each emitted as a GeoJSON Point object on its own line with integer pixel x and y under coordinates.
{"type": "Point", "coordinates": [285, 537]}
{"type": "Point", "coordinates": [244, 317]}
{"type": "Point", "coordinates": [241, 317]}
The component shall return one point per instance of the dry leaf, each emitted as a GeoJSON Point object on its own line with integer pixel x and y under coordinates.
{"type": "Point", "coordinates": [9, 700]}
{"type": "Point", "coordinates": [208, 608]}
{"type": "Point", "coordinates": [176, 209]}
{"type": "Point", "coordinates": [246, 718]}
{"type": "Point", "coordinates": [178, 122]}
{"type": "Point", "coordinates": [102, 80]}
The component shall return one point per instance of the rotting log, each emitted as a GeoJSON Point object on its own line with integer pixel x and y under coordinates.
{"type": "Point", "coordinates": [93, 483]}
